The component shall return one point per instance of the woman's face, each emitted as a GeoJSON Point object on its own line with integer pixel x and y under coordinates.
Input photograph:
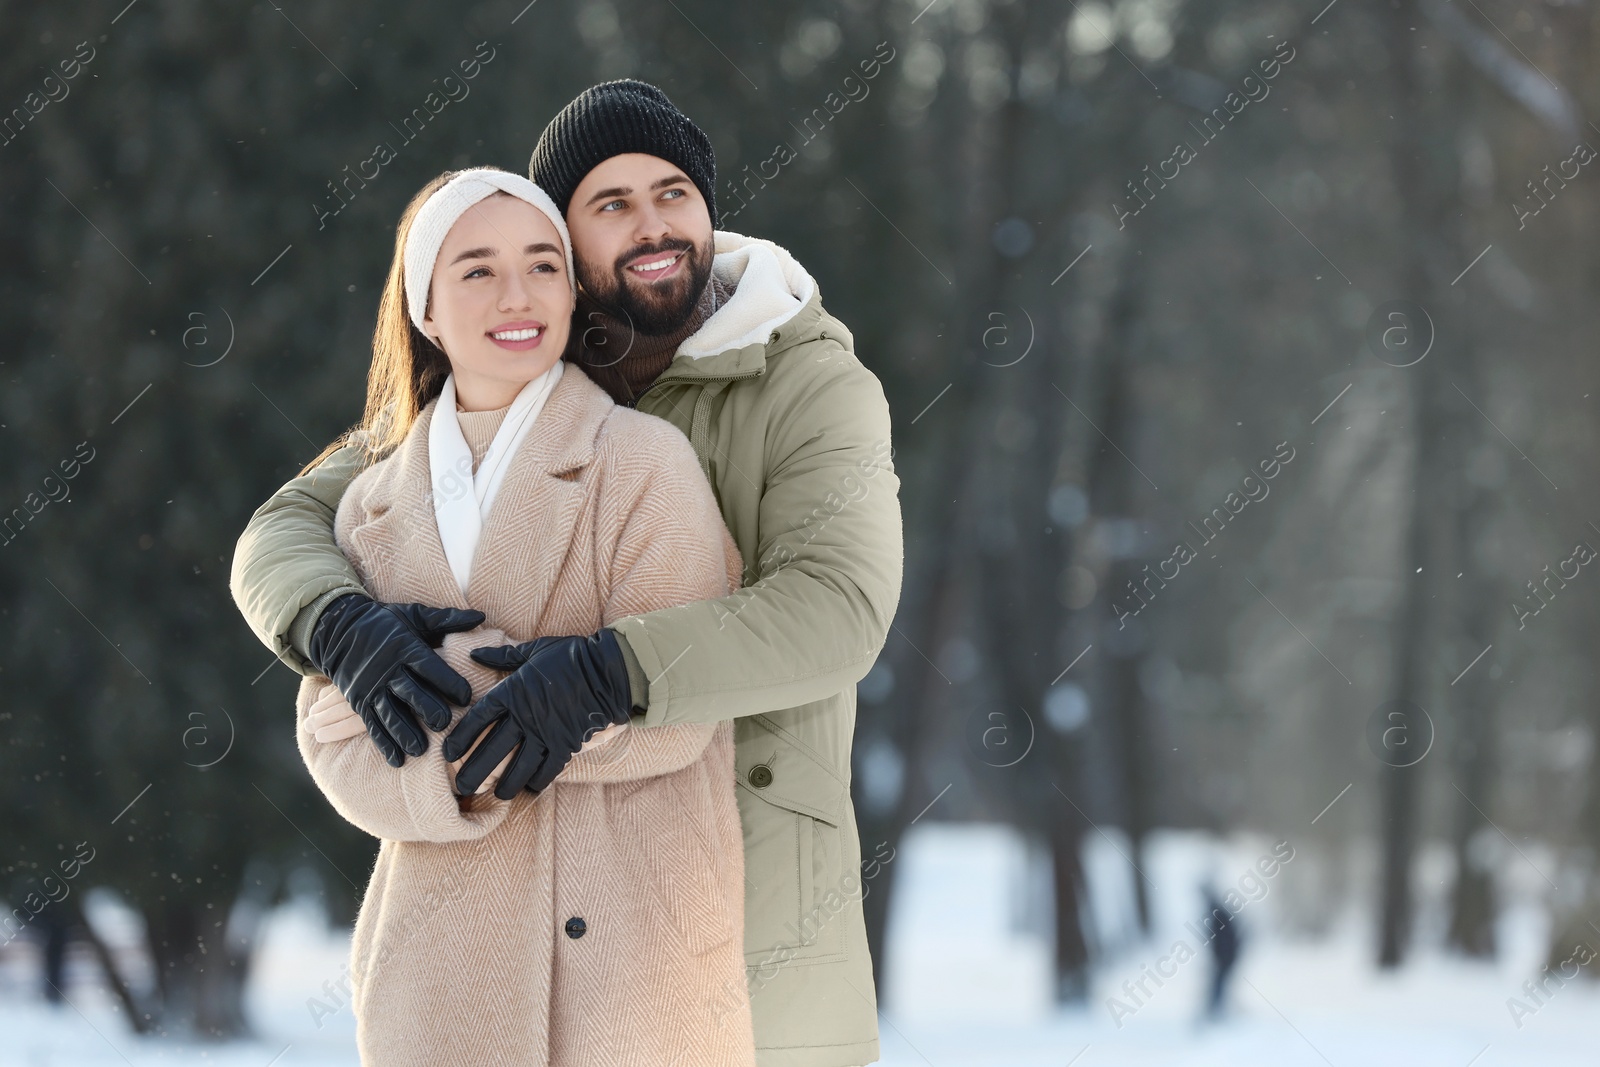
{"type": "Point", "coordinates": [500, 304]}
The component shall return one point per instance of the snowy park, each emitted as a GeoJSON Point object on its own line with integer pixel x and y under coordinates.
{"type": "Point", "coordinates": [946, 533]}
{"type": "Point", "coordinates": [969, 985]}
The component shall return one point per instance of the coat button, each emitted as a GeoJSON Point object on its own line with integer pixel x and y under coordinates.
{"type": "Point", "coordinates": [760, 776]}
{"type": "Point", "coordinates": [576, 927]}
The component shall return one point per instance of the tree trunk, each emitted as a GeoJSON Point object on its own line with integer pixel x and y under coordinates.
{"type": "Point", "coordinates": [1112, 492]}
{"type": "Point", "coordinates": [1023, 553]}
{"type": "Point", "coordinates": [916, 731]}
{"type": "Point", "coordinates": [1420, 140]}
{"type": "Point", "coordinates": [138, 1017]}
{"type": "Point", "coordinates": [1472, 904]}
{"type": "Point", "coordinates": [201, 970]}
{"type": "Point", "coordinates": [1071, 898]}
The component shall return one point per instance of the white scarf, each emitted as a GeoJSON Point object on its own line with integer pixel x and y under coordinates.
{"type": "Point", "coordinates": [462, 499]}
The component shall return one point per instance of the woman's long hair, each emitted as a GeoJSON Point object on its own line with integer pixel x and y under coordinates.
{"type": "Point", "coordinates": [408, 369]}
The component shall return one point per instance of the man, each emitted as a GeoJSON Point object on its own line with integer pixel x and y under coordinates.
{"type": "Point", "coordinates": [725, 337]}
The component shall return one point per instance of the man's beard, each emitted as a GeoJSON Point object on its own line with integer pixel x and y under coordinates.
{"type": "Point", "coordinates": [653, 309]}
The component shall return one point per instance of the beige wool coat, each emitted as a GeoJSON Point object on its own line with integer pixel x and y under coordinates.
{"type": "Point", "coordinates": [463, 950]}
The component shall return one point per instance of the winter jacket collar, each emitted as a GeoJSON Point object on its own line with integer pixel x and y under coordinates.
{"type": "Point", "coordinates": [770, 288]}
{"type": "Point", "coordinates": [775, 304]}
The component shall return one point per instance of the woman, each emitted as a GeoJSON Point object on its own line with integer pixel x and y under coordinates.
{"type": "Point", "coordinates": [601, 921]}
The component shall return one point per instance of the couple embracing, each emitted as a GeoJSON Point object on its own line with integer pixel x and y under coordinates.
{"type": "Point", "coordinates": [580, 605]}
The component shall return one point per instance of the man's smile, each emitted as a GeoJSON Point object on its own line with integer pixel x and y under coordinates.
{"type": "Point", "coordinates": [659, 265]}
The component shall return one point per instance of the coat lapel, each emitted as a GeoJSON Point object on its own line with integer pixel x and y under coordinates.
{"type": "Point", "coordinates": [397, 546]}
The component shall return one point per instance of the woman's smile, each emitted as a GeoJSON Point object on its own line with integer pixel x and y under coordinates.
{"type": "Point", "coordinates": [518, 336]}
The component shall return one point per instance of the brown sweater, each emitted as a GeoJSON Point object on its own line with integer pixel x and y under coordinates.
{"type": "Point", "coordinates": [479, 428]}
{"type": "Point", "coordinates": [464, 949]}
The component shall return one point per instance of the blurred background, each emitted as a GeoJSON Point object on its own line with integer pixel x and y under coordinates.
{"type": "Point", "coordinates": [1240, 355]}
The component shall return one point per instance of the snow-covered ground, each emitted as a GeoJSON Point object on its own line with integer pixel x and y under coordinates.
{"type": "Point", "coordinates": [967, 978]}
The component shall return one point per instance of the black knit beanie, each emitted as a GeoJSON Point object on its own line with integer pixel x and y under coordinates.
{"type": "Point", "coordinates": [612, 119]}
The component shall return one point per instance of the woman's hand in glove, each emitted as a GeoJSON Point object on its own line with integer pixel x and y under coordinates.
{"type": "Point", "coordinates": [561, 691]}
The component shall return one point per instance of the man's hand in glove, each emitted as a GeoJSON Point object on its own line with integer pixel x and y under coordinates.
{"type": "Point", "coordinates": [561, 690]}
{"type": "Point", "coordinates": [382, 658]}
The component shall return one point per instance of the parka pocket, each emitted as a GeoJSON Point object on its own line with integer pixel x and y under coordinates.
{"type": "Point", "coordinates": [790, 807]}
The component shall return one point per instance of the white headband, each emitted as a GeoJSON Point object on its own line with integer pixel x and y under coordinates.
{"type": "Point", "coordinates": [447, 204]}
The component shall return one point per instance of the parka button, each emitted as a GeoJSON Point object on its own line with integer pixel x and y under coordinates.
{"type": "Point", "coordinates": [576, 927]}
{"type": "Point", "coordinates": [760, 776]}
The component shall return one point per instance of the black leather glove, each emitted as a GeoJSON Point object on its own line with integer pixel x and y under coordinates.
{"type": "Point", "coordinates": [382, 658]}
{"type": "Point", "coordinates": [562, 691]}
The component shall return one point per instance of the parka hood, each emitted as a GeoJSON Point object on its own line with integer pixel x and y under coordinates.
{"type": "Point", "coordinates": [770, 288]}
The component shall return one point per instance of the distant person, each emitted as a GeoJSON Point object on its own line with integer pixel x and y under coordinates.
{"type": "Point", "coordinates": [1224, 931]}
{"type": "Point", "coordinates": [725, 337]}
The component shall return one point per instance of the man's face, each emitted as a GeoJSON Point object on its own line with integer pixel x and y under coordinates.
{"type": "Point", "coordinates": [641, 241]}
